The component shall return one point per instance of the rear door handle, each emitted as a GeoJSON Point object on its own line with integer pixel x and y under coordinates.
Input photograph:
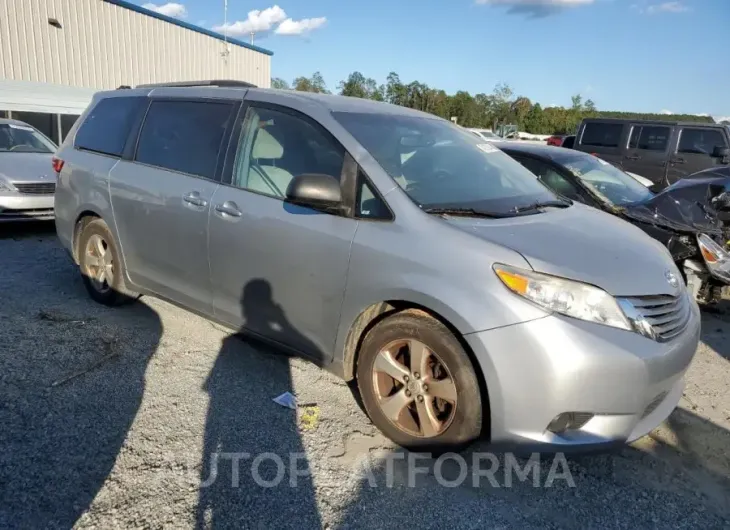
{"type": "Point", "coordinates": [677, 160]}
{"type": "Point", "coordinates": [195, 199]}
{"type": "Point", "coordinates": [228, 209]}
{"type": "Point", "coordinates": [633, 157]}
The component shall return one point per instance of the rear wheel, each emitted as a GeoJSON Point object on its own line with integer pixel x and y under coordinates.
{"type": "Point", "coordinates": [418, 384]}
{"type": "Point", "coordinates": [101, 268]}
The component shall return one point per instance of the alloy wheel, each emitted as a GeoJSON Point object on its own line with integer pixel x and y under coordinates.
{"type": "Point", "coordinates": [414, 388]}
{"type": "Point", "coordinates": [99, 264]}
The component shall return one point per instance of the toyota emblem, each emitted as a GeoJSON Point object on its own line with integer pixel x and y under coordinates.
{"type": "Point", "coordinates": [671, 278]}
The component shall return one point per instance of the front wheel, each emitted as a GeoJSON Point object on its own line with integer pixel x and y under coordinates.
{"type": "Point", "coordinates": [418, 385]}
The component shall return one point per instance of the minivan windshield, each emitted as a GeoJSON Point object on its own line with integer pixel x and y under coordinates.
{"type": "Point", "coordinates": [21, 138]}
{"type": "Point", "coordinates": [608, 182]}
{"type": "Point", "coordinates": [441, 166]}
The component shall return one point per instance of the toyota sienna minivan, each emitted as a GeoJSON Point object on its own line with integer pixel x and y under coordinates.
{"type": "Point", "coordinates": [388, 246]}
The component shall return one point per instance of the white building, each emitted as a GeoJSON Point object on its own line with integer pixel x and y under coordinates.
{"type": "Point", "coordinates": [54, 54]}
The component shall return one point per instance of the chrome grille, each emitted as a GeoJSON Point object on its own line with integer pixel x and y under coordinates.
{"type": "Point", "coordinates": [36, 188]}
{"type": "Point", "coordinates": [667, 315]}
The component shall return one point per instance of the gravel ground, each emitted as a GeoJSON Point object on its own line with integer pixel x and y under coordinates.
{"type": "Point", "coordinates": [109, 418]}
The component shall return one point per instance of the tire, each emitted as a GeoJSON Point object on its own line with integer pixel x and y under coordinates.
{"type": "Point", "coordinates": [456, 424]}
{"type": "Point", "coordinates": [110, 293]}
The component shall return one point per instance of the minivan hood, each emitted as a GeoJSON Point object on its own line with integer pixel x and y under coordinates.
{"type": "Point", "coordinates": [27, 167]}
{"type": "Point", "coordinates": [584, 244]}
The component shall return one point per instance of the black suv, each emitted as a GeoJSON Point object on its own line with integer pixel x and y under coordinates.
{"type": "Point", "coordinates": [662, 151]}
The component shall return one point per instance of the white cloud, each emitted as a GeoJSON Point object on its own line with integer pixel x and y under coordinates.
{"type": "Point", "coordinates": [272, 18]}
{"type": "Point", "coordinates": [719, 119]}
{"type": "Point", "coordinates": [171, 9]}
{"type": "Point", "coordinates": [535, 8]}
{"type": "Point", "coordinates": [665, 111]}
{"type": "Point", "coordinates": [667, 7]}
{"type": "Point", "coordinates": [300, 27]}
{"type": "Point", "coordinates": [257, 21]}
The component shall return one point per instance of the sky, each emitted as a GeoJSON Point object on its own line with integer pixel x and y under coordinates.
{"type": "Point", "coordinates": [629, 55]}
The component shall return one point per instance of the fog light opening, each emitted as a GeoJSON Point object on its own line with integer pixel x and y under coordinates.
{"type": "Point", "coordinates": [569, 421]}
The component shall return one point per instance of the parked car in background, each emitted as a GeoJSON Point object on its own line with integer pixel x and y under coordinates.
{"type": "Point", "coordinates": [689, 228]}
{"type": "Point", "coordinates": [556, 140]}
{"type": "Point", "coordinates": [27, 180]}
{"type": "Point", "coordinates": [485, 134]}
{"type": "Point", "coordinates": [458, 291]}
{"type": "Point", "coordinates": [568, 141]}
{"type": "Point", "coordinates": [662, 151]}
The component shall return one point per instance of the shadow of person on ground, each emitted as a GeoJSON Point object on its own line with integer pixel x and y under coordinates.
{"type": "Point", "coordinates": [254, 469]}
{"type": "Point", "coordinates": [72, 377]}
{"type": "Point", "coordinates": [680, 473]}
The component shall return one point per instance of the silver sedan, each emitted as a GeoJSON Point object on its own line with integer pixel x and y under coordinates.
{"type": "Point", "coordinates": [27, 178]}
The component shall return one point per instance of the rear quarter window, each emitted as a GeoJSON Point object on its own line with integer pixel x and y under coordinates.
{"type": "Point", "coordinates": [602, 134]}
{"type": "Point", "coordinates": [106, 127]}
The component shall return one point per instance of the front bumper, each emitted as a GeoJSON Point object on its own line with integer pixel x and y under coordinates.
{"type": "Point", "coordinates": [16, 206]}
{"type": "Point", "coordinates": [536, 370]}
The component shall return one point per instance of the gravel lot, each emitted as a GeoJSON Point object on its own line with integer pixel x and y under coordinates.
{"type": "Point", "coordinates": [109, 418]}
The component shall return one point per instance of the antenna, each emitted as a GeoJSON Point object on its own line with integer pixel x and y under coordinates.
{"type": "Point", "coordinates": [227, 51]}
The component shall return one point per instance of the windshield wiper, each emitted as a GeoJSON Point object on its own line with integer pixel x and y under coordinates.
{"type": "Point", "coordinates": [465, 212]}
{"type": "Point", "coordinates": [539, 205]}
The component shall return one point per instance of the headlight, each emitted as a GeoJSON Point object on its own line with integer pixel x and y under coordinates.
{"type": "Point", "coordinates": [568, 297]}
{"type": "Point", "coordinates": [716, 259]}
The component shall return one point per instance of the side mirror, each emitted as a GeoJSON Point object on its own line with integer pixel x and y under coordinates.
{"type": "Point", "coordinates": [721, 152]}
{"type": "Point", "coordinates": [315, 190]}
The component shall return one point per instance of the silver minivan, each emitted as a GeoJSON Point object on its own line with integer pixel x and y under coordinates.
{"type": "Point", "coordinates": [388, 246]}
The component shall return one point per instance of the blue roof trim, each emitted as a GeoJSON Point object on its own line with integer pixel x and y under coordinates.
{"type": "Point", "coordinates": [191, 27]}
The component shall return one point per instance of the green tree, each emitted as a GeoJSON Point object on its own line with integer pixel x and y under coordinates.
{"type": "Point", "coordinates": [535, 121]}
{"type": "Point", "coordinates": [577, 102]}
{"type": "Point", "coordinates": [589, 105]}
{"type": "Point", "coordinates": [311, 84]}
{"type": "Point", "coordinates": [356, 85]}
{"type": "Point", "coordinates": [278, 82]}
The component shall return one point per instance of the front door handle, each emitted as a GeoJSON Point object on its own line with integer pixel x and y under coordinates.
{"type": "Point", "coordinates": [195, 199]}
{"type": "Point", "coordinates": [677, 160]}
{"type": "Point", "coordinates": [633, 157]}
{"type": "Point", "coordinates": [228, 209]}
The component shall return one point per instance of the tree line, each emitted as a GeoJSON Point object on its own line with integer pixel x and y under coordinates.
{"type": "Point", "coordinates": [501, 106]}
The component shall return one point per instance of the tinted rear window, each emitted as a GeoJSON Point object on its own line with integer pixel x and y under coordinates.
{"type": "Point", "coordinates": [184, 136]}
{"type": "Point", "coordinates": [106, 127]}
{"type": "Point", "coordinates": [602, 134]}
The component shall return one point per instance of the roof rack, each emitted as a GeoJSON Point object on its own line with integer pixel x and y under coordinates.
{"type": "Point", "coordinates": [214, 82]}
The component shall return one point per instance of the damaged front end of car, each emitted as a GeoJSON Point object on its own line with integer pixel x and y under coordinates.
{"type": "Point", "coordinates": [693, 234]}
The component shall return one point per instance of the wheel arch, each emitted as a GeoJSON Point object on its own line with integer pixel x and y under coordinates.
{"type": "Point", "coordinates": [379, 311]}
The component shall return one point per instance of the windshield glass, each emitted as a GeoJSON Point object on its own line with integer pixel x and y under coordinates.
{"type": "Point", "coordinates": [440, 165]}
{"type": "Point", "coordinates": [20, 138]}
{"type": "Point", "coordinates": [607, 181]}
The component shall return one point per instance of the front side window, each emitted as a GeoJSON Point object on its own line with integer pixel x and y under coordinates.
{"type": "Point", "coordinates": [609, 183]}
{"type": "Point", "coordinates": [22, 138]}
{"type": "Point", "coordinates": [184, 136]}
{"type": "Point", "coordinates": [700, 141]}
{"type": "Point", "coordinates": [601, 134]}
{"type": "Point", "coordinates": [440, 165]}
{"type": "Point", "coordinates": [276, 146]}
{"type": "Point", "coordinates": [106, 126]}
{"type": "Point", "coordinates": [649, 138]}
